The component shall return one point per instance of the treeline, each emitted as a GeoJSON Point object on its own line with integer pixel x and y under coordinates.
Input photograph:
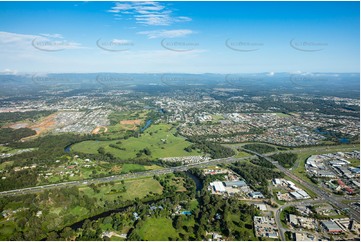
{"type": "Point", "coordinates": [287, 160]}
{"type": "Point", "coordinates": [256, 176]}
{"type": "Point", "coordinates": [215, 150]}
{"type": "Point", "coordinates": [19, 179]}
{"type": "Point", "coordinates": [51, 226]}
{"type": "Point", "coordinates": [19, 116]}
{"type": "Point", "coordinates": [49, 147]}
{"type": "Point", "coordinates": [251, 131]}
{"type": "Point", "coordinates": [260, 161]}
{"type": "Point", "coordinates": [8, 135]}
{"type": "Point", "coordinates": [230, 217]}
{"type": "Point", "coordinates": [328, 107]}
{"type": "Point", "coordinates": [259, 148]}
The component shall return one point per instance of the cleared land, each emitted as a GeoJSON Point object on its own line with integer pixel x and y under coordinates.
{"type": "Point", "coordinates": [158, 138]}
{"type": "Point", "coordinates": [100, 129]}
{"type": "Point", "coordinates": [157, 229]}
{"type": "Point", "coordinates": [131, 124]}
{"type": "Point", "coordinates": [137, 188]}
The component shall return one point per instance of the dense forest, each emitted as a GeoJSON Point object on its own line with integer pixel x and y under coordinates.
{"type": "Point", "coordinates": [260, 148]}
{"type": "Point", "coordinates": [8, 135]}
{"type": "Point", "coordinates": [12, 117]}
{"type": "Point", "coordinates": [256, 176]}
{"type": "Point", "coordinates": [286, 160]}
{"type": "Point", "coordinates": [215, 150]}
{"type": "Point", "coordinates": [260, 161]}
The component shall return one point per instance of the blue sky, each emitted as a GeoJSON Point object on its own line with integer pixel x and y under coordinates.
{"type": "Point", "coordinates": [188, 37]}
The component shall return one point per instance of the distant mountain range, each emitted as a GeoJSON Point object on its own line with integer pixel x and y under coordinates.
{"type": "Point", "coordinates": [331, 83]}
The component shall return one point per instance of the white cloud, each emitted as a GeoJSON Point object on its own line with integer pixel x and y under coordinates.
{"type": "Point", "coordinates": [148, 13]}
{"type": "Point", "coordinates": [14, 42]}
{"type": "Point", "coordinates": [167, 33]}
{"type": "Point", "coordinates": [56, 36]}
{"type": "Point", "coordinates": [8, 72]}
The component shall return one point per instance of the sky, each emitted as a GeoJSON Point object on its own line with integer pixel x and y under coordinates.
{"type": "Point", "coordinates": [179, 37]}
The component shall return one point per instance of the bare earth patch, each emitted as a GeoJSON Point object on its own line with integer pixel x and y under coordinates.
{"type": "Point", "coordinates": [43, 126]}
{"type": "Point", "coordinates": [131, 124]}
{"type": "Point", "coordinates": [97, 129]}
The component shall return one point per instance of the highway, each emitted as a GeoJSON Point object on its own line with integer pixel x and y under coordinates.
{"type": "Point", "coordinates": [123, 177]}
{"type": "Point", "coordinates": [321, 193]}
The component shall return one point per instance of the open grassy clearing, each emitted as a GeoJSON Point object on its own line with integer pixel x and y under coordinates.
{"type": "Point", "coordinates": [137, 188]}
{"type": "Point", "coordinates": [157, 229]}
{"type": "Point", "coordinates": [5, 164]}
{"type": "Point", "coordinates": [158, 138]}
{"type": "Point", "coordinates": [241, 154]}
{"type": "Point", "coordinates": [216, 118]}
{"type": "Point", "coordinates": [354, 162]}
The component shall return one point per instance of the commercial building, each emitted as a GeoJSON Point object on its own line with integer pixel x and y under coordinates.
{"type": "Point", "coordinates": [330, 226]}
{"type": "Point", "coordinates": [256, 195]}
{"type": "Point", "coordinates": [276, 181]}
{"type": "Point", "coordinates": [299, 194]}
{"type": "Point", "coordinates": [235, 184]}
{"type": "Point", "coordinates": [218, 186]}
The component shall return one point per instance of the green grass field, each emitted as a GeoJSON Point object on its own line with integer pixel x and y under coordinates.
{"type": "Point", "coordinates": [137, 188]}
{"type": "Point", "coordinates": [354, 162]}
{"type": "Point", "coordinates": [126, 168]}
{"type": "Point", "coordinates": [241, 154]}
{"type": "Point", "coordinates": [158, 138]}
{"type": "Point", "coordinates": [157, 229]}
{"type": "Point", "coordinates": [5, 164]}
{"type": "Point", "coordinates": [7, 228]}
{"type": "Point", "coordinates": [216, 118]}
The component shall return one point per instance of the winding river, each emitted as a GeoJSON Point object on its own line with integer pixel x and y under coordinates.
{"type": "Point", "coordinates": [79, 224]}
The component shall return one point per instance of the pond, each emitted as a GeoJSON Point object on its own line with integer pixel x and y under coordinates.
{"type": "Point", "coordinates": [344, 140]}
{"type": "Point", "coordinates": [186, 213]}
{"type": "Point", "coordinates": [67, 148]}
{"type": "Point", "coordinates": [147, 124]}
